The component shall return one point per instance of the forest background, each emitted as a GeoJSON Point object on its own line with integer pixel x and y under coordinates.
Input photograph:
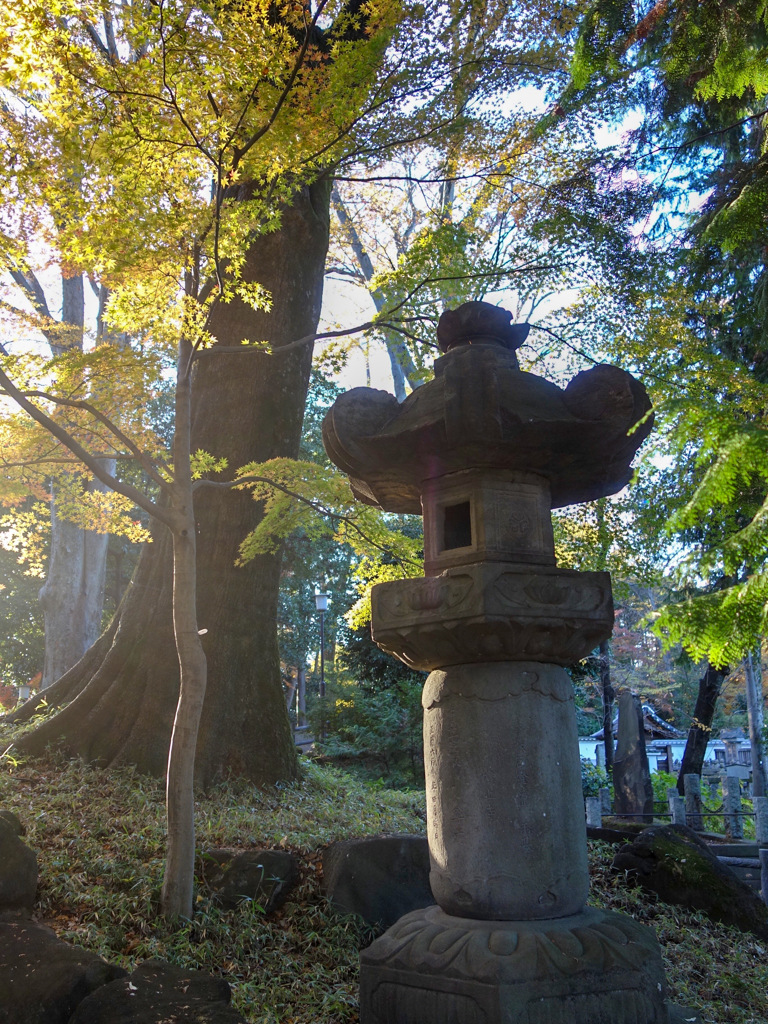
{"type": "Point", "coordinates": [199, 170]}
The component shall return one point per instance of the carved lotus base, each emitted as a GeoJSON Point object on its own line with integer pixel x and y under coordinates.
{"type": "Point", "coordinates": [490, 611]}
{"type": "Point", "coordinates": [596, 967]}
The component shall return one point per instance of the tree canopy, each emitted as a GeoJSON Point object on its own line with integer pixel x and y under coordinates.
{"type": "Point", "coordinates": [686, 85]}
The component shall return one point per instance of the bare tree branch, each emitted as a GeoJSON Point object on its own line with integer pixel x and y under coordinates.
{"type": "Point", "coordinates": [30, 285]}
{"type": "Point", "coordinates": [92, 462]}
{"type": "Point", "coordinates": [149, 465]}
{"type": "Point", "coordinates": [316, 506]}
{"type": "Point", "coordinates": [95, 38]}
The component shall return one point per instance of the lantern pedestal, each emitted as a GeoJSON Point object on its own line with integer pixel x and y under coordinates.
{"type": "Point", "coordinates": [595, 967]}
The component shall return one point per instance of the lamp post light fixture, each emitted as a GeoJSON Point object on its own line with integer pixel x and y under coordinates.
{"type": "Point", "coordinates": [321, 604]}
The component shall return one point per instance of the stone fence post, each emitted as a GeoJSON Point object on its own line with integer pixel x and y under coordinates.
{"type": "Point", "coordinates": [760, 804]}
{"type": "Point", "coordinates": [734, 821]}
{"type": "Point", "coordinates": [676, 808]}
{"type": "Point", "coordinates": [692, 784]}
{"type": "Point", "coordinates": [594, 812]}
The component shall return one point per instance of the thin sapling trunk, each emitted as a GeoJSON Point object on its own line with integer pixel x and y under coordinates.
{"type": "Point", "coordinates": [176, 512]}
{"type": "Point", "coordinates": [178, 882]}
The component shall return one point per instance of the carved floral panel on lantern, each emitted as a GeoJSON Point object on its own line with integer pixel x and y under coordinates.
{"type": "Point", "coordinates": [491, 611]}
{"type": "Point", "coordinates": [597, 966]}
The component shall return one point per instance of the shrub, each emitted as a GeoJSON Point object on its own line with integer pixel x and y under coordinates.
{"type": "Point", "coordinates": [661, 782]}
{"type": "Point", "coordinates": [376, 733]}
{"type": "Point", "coordinates": [593, 778]}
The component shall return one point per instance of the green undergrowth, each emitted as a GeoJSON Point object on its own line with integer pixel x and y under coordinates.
{"type": "Point", "coordinates": [717, 969]}
{"type": "Point", "coordinates": [99, 839]}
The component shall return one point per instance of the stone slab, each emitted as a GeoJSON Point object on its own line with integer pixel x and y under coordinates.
{"type": "Point", "coordinates": [160, 993]}
{"type": "Point", "coordinates": [42, 978]}
{"type": "Point", "coordinates": [18, 871]}
{"type": "Point", "coordinates": [380, 878]}
{"type": "Point", "coordinates": [633, 791]}
{"type": "Point", "coordinates": [263, 877]}
{"type": "Point", "coordinates": [684, 1015]}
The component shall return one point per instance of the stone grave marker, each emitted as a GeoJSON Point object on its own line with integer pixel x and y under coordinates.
{"type": "Point", "coordinates": [632, 788]}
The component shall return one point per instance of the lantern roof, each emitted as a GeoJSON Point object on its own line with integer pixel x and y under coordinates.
{"type": "Point", "coordinates": [482, 412]}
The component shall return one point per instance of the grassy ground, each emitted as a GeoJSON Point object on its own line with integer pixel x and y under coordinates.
{"type": "Point", "coordinates": [99, 838]}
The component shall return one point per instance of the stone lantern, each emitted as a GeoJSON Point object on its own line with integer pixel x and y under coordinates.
{"type": "Point", "coordinates": [484, 452]}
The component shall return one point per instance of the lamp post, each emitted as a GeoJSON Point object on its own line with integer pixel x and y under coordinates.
{"type": "Point", "coordinates": [321, 603]}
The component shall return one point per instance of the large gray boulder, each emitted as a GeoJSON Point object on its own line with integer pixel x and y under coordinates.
{"type": "Point", "coordinates": [42, 978]}
{"type": "Point", "coordinates": [673, 862]}
{"type": "Point", "coordinates": [264, 877]}
{"type": "Point", "coordinates": [379, 878]}
{"type": "Point", "coordinates": [160, 993]}
{"type": "Point", "coordinates": [18, 869]}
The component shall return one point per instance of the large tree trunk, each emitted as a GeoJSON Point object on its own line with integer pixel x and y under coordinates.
{"type": "Point", "coordinates": [247, 406]}
{"type": "Point", "coordinates": [710, 685]}
{"type": "Point", "coordinates": [72, 597]}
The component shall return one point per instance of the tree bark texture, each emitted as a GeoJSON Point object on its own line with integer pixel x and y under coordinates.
{"type": "Point", "coordinates": [608, 693]}
{"type": "Point", "coordinates": [710, 685]}
{"type": "Point", "coordinates": [246, 406]}
{"type": "Point", "coordinates": [72, 597]}
{"type": "Point", "coordinates": [755, 706]}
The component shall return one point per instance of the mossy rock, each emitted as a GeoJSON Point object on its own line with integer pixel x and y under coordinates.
{"type": "Point", "coordinates": [617, 830]}
{"type": "Point", "coordinates": [626, 825]}
{"type": "Point", "coordinates": [671, 861]}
